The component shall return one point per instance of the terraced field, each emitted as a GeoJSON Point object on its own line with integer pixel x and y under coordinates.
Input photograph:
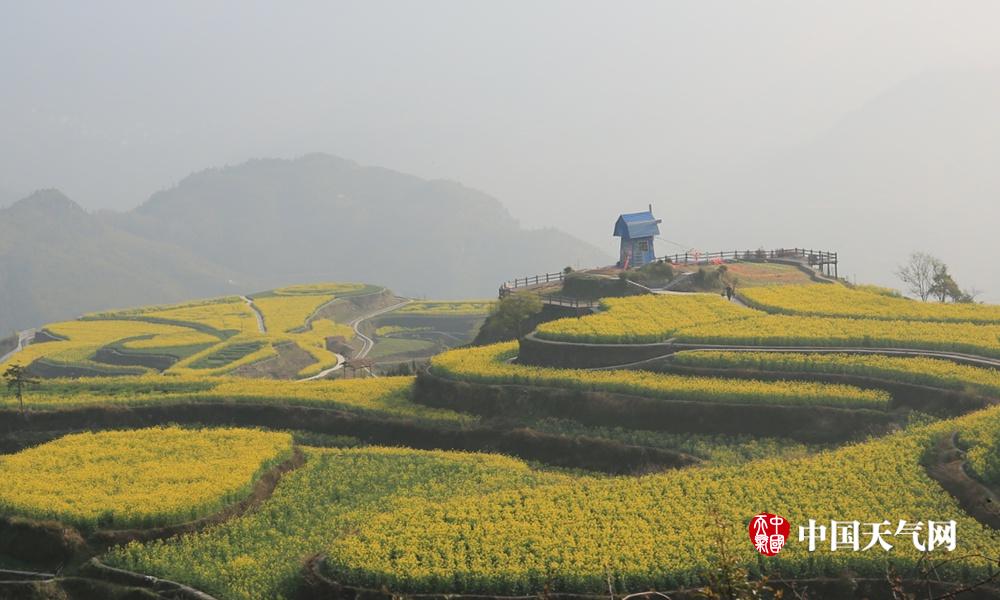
{"type": "Point", "coordinates": [573, 536]}
{"type": "Point", "coordinates": [421, 329]}
{"type": "Point", "coordinates": [708, 319]}
{"type": "Point", "coordinates": [139, 478]}
{"type": "Point", "coordinates": [825, 300]}
{"type": "Point", "coordinates": [921, 371]}
{"type": "Point", "coordinates": [386, 396]}
{"type": "Point", "coordinates": [628, 479]}
{"type": "Point", "coordinates": [491, 364]}
{"type": "Point", "coordinates": [203, 338]}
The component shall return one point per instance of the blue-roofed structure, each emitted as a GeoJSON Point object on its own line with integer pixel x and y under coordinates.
{"type": "Point", "coordinates": [637, 231]}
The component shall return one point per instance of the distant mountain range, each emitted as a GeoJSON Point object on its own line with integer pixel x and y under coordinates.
{"type": "Point", "coordinates": [262, 224]}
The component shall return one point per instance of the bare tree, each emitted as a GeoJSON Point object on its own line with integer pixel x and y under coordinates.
{"type": "Point", "coordinates": [918, 274]}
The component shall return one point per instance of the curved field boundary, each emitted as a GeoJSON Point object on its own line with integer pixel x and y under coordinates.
{"type": "Point", "coordinates": [50, 542]}
{"type": "Point", "coordinates": [222, 334]}
{"type": "Point", "coordinates": [122, 358]}
{"type": "Point", "coordinates": [937, 400]}
{"type": "Point", "coordinates": [946, 465]}
{"type": "Point", "coordinates": [813, 424]}
{"type": "Point", "coordinates": [317, 585]}
{"type": "Point", "coordinates": [561, 451]}
{"type": "Point", "coordinates": [337, 300]}
{"type": "Point", "coordinates": [344, 309]}
{"type": "Point", "coordinates": [42, 367]}
{"type": "Point", "coordinates": [163, 587]}
{"type": "Point", "coordinates": [87, 588]}
{"type": "Point", "coordinates": [367, 341]}
{"type": "Point", "coordinates": [582, 355]}
{"type": "Point", "coordinates": [20, 576]}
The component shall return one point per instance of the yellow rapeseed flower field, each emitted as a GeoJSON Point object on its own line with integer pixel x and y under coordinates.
{"type": "Point", "coordinates": [785, 330]}
{"type": "Point", "coordinates": [642, 319]}
{"type": "Point", "coordinates": [659, 531]}
{"type": "Point", "coordinates": [490, 364]}
{"type": "Point", "coordinates": [185, 337]}
{"type": "Point", "coordinates": [209, 308]}
{"type": "Point", "coordinates": [451, 522]}
{"type": "Point", "coordinates": [826, 300]}
{"type": "Point", "coordinates": [231, 315]}
{"type": "Point", "coordinates": [707, 318]}
{"type": "Point", "coordinates": [283, 314]}
{"type": "Point", "coordinates": [217, 324]}
{"type": "Point", "coordinates": [384, 396]}
{"type": "Point", "coordinates": [313, 341]}
{"type": "Point", "coordinates": [140, 478]}
{"type": "Point", "coordinates": [918, 370]}
{"type": "Point", "coordinates": [445, 307]}
{"type": "Point", "coordinates": [259, 555]}
{"type": "Point", "coordinates": [317, 289]}
{"type": "Point", "coordinates": [79, 340]}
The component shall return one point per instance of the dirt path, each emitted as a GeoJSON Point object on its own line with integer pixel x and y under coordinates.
{"type": "Point", "coordinates": [672, 348]}
{"type": "Point", "coordinates": [947, 466]}
{"type": "Point", "coordinates": [367, 342]}
{"type": "Point", "coordinates": [256, 311]}
{"type": "Point", "coordinates": [325, 372]}
{"type": "Point", "coordinates": [23, 339]}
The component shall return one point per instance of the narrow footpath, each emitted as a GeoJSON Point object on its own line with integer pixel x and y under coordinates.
{"type": "Point", "coordinates": [256, 311]}
{"type": "Point", "coordinates": [367, 342]}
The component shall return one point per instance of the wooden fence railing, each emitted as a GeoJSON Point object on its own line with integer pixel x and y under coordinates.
{"type": "Point", "coordinates": [569, 302]}
{"type": "Point", "coordinates": [509, 287]}
{"type": "Point", "coordinates": [530, 281]}
{"type": "Point", "coordinates": [824, 260]}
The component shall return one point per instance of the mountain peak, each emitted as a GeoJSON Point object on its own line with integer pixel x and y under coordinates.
{"type": "Point", "coordinates": [47, 201]}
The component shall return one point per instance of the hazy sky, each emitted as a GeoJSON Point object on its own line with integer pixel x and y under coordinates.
{"type": "Point", "coordinates": [569, 112]}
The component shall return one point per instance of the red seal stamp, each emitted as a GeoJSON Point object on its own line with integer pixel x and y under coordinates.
{"type": "Point", "coordinates": [768, 533]}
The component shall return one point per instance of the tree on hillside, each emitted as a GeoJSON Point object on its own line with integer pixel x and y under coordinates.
{"type": "Point", "coordinates": [928, 277]}
{"type": "Point", "coordinates": [918, 274]}
{"type": "Point", "coordinates": [513, 312]}
{"type": "Point", "coordinates": [943, 286]}
{"type": "Point", "coordinates": [17, 380]}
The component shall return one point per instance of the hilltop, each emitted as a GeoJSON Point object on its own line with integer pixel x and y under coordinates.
{"type": "Point", "coordinates": [263, 224]}
{"type": "Point", "coordinates": [57, 260]}
{"type": "Point", "coordinates": [325, 218]}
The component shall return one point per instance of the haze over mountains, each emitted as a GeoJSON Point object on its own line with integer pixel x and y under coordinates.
{"type": "Point", "coordinates": [912, 169]}
{"type": "Point", "coordinates": [865, 128]}
{"type": "Point", "coordinates": [262, 224]}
